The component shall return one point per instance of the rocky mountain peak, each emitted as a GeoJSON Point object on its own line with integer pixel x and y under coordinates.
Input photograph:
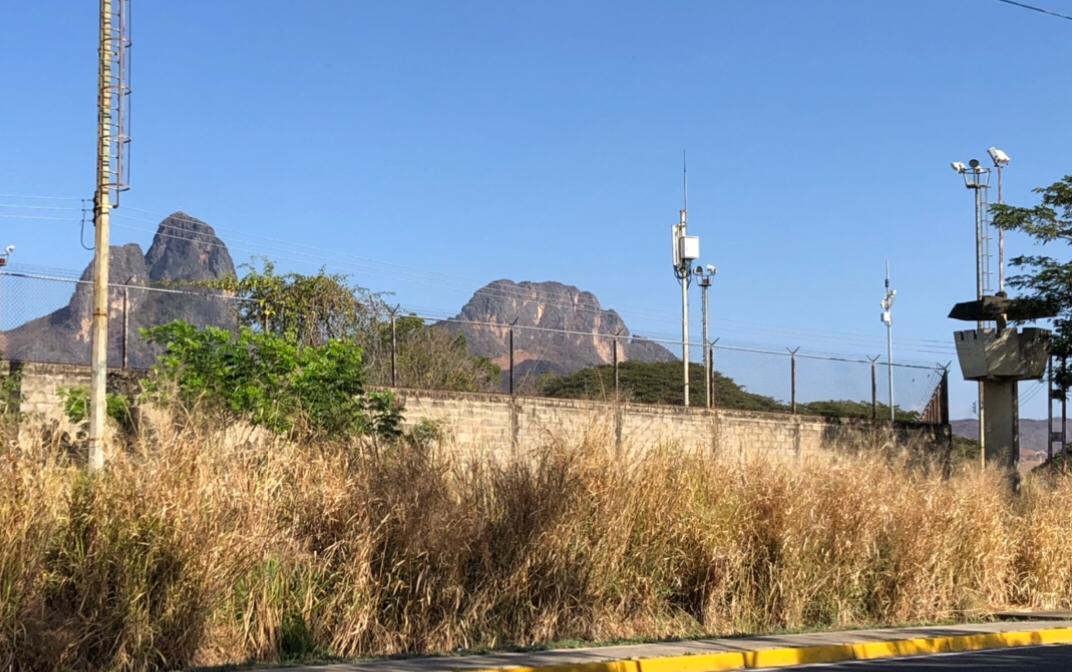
{"type": "Point", "coordinates": [183, 249]}
{"type": "Point", "coordinates": [573, 329]}
{"type": "Point", "coordinates": [186, 248]}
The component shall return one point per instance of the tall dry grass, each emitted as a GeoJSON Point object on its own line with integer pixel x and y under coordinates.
{"type": "Point", "coordinates": [194, 548]}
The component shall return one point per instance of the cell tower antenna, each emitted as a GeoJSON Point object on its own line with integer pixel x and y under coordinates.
{"type": "Point", "coordinates": [684, 182]}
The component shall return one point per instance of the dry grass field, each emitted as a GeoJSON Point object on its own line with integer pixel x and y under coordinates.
{"type": "Point", "coordinates": [200, 548]}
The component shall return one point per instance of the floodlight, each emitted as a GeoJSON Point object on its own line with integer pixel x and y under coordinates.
{"type": "Point", "coordinates": [999, 157]}
{"type": "Point", "coordinates": [958, 166]}
{"type": "Point", "coordinates": [711, 269]}
{"type": "Point", "coordinates": [9, 249]}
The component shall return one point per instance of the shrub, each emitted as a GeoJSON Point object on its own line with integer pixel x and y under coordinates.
{"type": "Point", "coordinates": [271, 381]}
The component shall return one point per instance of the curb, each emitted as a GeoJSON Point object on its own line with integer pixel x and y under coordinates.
{"type": "Point", "coordinates": [807, 655]}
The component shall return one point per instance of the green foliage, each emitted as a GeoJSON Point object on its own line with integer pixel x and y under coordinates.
{"type": "Point", "coordinates": [271, 381]}
{"type": "Point", "coordinates": [306, 309]}
{"type": "Point", "coordinates": [430, 357]}
{"type": "Point", "coordinates": [10, 397]}
{"type": "Point", "coordinates": [1046, 282]}
{"type": "Point", "coordinates": [660, 383]}
{"type": "Point", "coordinates": [653, 383]}
{"type": "Point", "coordinates": [854, 409]}
{"type": "Point", "coordinates": [118, 407]}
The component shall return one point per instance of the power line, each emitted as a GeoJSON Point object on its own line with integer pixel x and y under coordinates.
{"type": "Point", "coordinates": [1036, 9]}
{"type": "Point", "coordinates": [304, 254]}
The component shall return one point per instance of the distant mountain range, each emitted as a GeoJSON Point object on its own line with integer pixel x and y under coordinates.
{"type": "Point", "coordinates": [184, 250]}
{"type": "Point", "coordinates": [1032, 436]}
{"type": "Point", "coordinates": [561, 329]}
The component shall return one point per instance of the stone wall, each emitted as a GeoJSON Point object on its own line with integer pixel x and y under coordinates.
{"type": "Point", "coordinates": [41, 384]}
{"type": "Point", "coordinates": [491, 423]}
{"type": "Point", "coordinates": [497, 424]}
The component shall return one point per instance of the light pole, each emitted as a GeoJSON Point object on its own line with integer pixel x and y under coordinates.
{"type": "Point", "coordinates": [887, 319]}
{"type": "Point", "coordinates": [977, 179]}
{"type": "Point", "coordinates": [686, 250]}
{"type": "Point", "coordinates": [1000, 159]}
{"type": "Point", "coordinates": [705, 273]}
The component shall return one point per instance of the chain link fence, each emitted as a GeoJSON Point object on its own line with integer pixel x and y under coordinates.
{"type": "Point", "coordinates": [47, 319]}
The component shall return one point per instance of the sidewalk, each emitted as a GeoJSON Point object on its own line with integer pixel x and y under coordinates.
{"type": "Point", "coordinates": [745, 653]}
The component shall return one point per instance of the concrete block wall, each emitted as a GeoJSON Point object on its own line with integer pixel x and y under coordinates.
{"type": "Point", "coordinates": [41, 384]}
{"type": "Point", "coordinates": [499, 424]}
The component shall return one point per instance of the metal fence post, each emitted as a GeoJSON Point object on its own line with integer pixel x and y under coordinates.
{"type": "Point", "coordinates": [512, 357]}
{"type": "Point", "coordinates": [874, 389]}
{"type": "Point", "coordinates": [711, 373]}
{"type": "Point", "coordinates": [943, 398]}
{"type": "Point", "coordinates": [793, 379]}
{"type": "Point", "coordinates": [126, 324]}
{"type": "Point", "coordinates": [617, 388]}
{"type": "Point", "coordinates": [394, 351]}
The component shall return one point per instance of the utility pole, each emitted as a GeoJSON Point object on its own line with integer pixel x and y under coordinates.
{"type": "Point", "coordinates": [686, 250]}
{"type": "Point", "coordinates": [112, 141]}
{"type": "Point", "coordinates": [887, 319]}
{"type": "Point", "coordinates": [705, 274]}
{"type": "Point", "coordinates": [1000, 159]}
{"type": "Point", "coordinates": [977, 178]}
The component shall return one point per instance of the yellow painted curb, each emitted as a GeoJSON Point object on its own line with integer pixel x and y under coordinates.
{"type": "Point", "coordinates": [798, 655]}
{"type": "Point", "coordinates": [703, 662]}
{"type": "Point", "coordinates": [807, 655]}
{"type": "Point", "coordinates": [603, 666]}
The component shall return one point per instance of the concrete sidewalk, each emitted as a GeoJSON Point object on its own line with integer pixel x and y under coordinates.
{"type": "Point", "coordinates": [738, 653]}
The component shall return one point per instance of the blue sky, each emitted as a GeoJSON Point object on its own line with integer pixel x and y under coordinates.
{"type": "Point", "coordinates": [429, 148]}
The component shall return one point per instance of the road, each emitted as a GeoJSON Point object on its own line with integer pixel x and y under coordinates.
{"type": "Point", "coordinates": [1035, 658]}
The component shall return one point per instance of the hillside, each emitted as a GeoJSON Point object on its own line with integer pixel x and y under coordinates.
{"type": "Point", "coordinates": [551, 308]}
{"type": "Point", "coordinates": [1032, 437]}
{"type": "Point", "coordinates": [184, 250]}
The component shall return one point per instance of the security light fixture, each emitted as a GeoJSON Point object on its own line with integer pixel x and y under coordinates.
{"type": "Point", "coordinates": [999, 157]}
{"type": "Point", "coordinates": [958, 167]}
{"type": "Point", "coordinates": [9, 249]}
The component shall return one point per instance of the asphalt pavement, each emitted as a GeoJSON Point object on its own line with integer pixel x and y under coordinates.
{"type": "Point", "coordinates": [1035, 658]}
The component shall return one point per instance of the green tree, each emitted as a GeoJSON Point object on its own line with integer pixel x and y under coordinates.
{"type": "Point", "coordinates": [653, 383]}
{"type": "Point", "coordinates": [270, 381]}
{"type": "Point", "coordinates": [1045, 282]}
{"type": "Point", "coordinates": [430, 357]}
{"type": "Point", "coordinates": [306, 309]}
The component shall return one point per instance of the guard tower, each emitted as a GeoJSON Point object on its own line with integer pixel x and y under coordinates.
{"type": "Point", "coordinates": [998, 358]}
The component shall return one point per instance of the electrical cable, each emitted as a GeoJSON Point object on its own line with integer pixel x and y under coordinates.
{"type": "Point", "coordinates": [1036, 9]}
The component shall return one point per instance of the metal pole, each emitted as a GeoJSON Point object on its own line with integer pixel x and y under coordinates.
{"type": "Point", "coordinates": [1064, 408]}
{"type": "Point", "coordinates": [685, 335]}
{"type": "Point", "coordinates": [1049, 409]}
{"type": "Point", "coordinates": [1001, 239]}
{"type": "Point", "coordinates": [617, 396]}
{"type": "Point", "coordinates": [705, 284]}
{"type": "Point", "coordinates": [943, 399]}
{"type": "Point", "coordinates": [511, 360]}
{"type": "Point", "coordinates": [889, 367]}
{"type": "Point", "coordinates": [793, 380]}
{"type": "Point", "coordinates": [711, 372]}
{"type": "Point", "coordinates": [981, 406]}
{"type": "Point", "coordinates": [126, 323]}
{"type": "Point", "coordinates": [102, 206]}
{"type": "Point", "coordinates": [874, 390]}
{"type": "Point", "coordinates": [394, 351]}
